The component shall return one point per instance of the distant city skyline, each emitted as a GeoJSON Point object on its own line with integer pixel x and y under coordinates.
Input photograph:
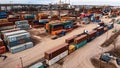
{"type": "Point", "coordinates": [73, 2]}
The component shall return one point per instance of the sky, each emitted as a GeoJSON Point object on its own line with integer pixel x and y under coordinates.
{"type": "Point", "coordinates": [73, 2]}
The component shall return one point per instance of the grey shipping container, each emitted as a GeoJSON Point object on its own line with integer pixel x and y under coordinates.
{"type": "Point", "coordinates": [18, 37]}
{"type": "Point", "coordinates": [37, 65]}
{"type": "Point", "coordinates": [18, 48]}
{"type": "Point", "coordinates": [21, 22]}
{"type": "Point", "coordinates": [29, 45]}
{"type": "Point", "coordinates": [23, 26]}
{"type": "Point", "coordinates": [18, 42]}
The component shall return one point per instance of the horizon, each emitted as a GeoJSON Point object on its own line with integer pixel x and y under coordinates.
{"type": "Point", "coordinates": [75, 2]}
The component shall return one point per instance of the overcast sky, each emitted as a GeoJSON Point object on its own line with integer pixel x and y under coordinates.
{"type": "Point", "coordinates": [74, 2]}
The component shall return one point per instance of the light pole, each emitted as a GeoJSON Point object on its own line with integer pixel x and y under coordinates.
{"type": "Point", "coordinates": [21, 61]}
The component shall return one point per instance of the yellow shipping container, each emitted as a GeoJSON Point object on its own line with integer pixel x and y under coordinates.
{"type": "Point", "coordinates": [71, 48]}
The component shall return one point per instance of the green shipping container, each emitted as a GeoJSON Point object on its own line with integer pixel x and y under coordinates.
{"type": "Point", "coordinates": [81, 44]}
{"type": "Point", "coordinates": [67, 23]}
{"type": "Point", "coordinates": [29, 17]}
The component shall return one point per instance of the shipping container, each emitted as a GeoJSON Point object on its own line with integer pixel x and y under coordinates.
{"type": "Point", "coordinates": [1, 42]}
{"type": "Point", "coordinates": [37, 65]}
{"type": "Point", "coordinates": [7, 27]}
{"type": "Point", "coordinates": [91, 35]}
{"type": "Point", "coordinates": [71, 48]}
{"type": "Point", "coordinates": [71, 39]}
{"type": "Point", "coordinates": [13, 19]}
{"type": "Point", "coordinates": [29, 45]}
{"type": "Point", "coordinates": [16, 49]}
{"type": "Point", "coordinates": [6, 24]}
{"type": "Point", "coordinates": [18, 37]}
{"type": "Point", "coordinates": [80, 39]}
{"type": "Point", "coordinates": [11, 30]}
{"type": "Point", "coordinates": [29, 17]}
{"type": "Point", "coordinates": [82, 43]}
{"type": "Point", "coordinates": [56, 51]}
{"type": "Point", "coordinates": [57, 58]}
{"type": "Point", "coordinates": [3, 20]}
{"type": "Point", "coordinates": [24, 26]}
{"type": "Point", "coordinates": [14, 33]}
{"type": "Point", "coordinates": [18, 42]}
{"type": "Point", "coordinates": [21, 22]}
{"type": "Point", "coordinates": [2, 49]}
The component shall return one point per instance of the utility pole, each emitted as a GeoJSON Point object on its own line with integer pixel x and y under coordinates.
{"type": "Point", "coordinates": [21, 62]}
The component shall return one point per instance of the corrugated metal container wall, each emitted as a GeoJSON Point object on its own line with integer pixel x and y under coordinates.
{"type": "Point", "coordinates": [56, 51]}
{"type": "Point", "coordinates": [29, 45]}
{"type": "Point", "coordinates": [71, 39]}
{"type": "Point", "coordinates": [18, 37]}
{"type": "Point", "coordinates": [14, 33]}
{"type": "Point", "coordinates": [6, 24]}
{"type": "Point", "coordinates": [18, 48]}
{"type": "Point", "coordinates": [2, 49]}
{"type": "Point", "coordinates": [22, 24]}
{"type": "Point", "coordinates": [91, 35]}
{"type": "Point", "coordinates": [1, 42]}
{"type": "Point", "coordinates": [37, 65]}
{"type": "Point", "coordinates": [57, 58]}
{"type": "Point", "coordinates": [71, 48]}
{"type": "Point", "coordinates": [80, 39]}
{"type": "Point", "coordinates": [81, 44]}
{"type": "Point", "coordinates": [7, 27]}
{"type": "Point", "coordinates": [18, 42]}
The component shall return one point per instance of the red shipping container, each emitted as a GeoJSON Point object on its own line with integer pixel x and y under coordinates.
{"type": "Point", "coordinates": [80, 39]}
{"type": "Point", "coordinates": [92, 33]}
{"type": "Point", "coordinates": [1, 42]}
{"type": "Point", "coordinates": [71, 39]}
{"type": "Point", "coordinates": [13, 19]}
{"type": "Point", "coordinates": [2, 49]}
{"type": "Point", "coordinates": [100, 29]}
{"type": "Point", "coordinates": [56, 51]}
{"type": "Point", "coordinates": [6, 24]}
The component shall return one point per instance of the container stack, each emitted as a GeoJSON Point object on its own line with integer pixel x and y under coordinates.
{"type": "Point", "coordinates": [54, 28]}
{"type": "Point", "coordinates": [5, 25]}
{"type": "Point", "coordinates": [13, 18]}
{"type": "Point", "coordinates": [80, 41]}
{"type": "Point", "coordinates": [17, 41]}
{"type": "Point", "coordinates": [54, 55]}
{"type": "Point", "coordinates": [29, 17]}
{"type": "Point", "coordinates": [24, 25]}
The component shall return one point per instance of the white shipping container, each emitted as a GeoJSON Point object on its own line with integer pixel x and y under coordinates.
{"type": "Point", "coordinates": [14, 33]}
{"type": "Point", "coordinates": [18, 37]}
{"type": "Point", "coordinates": [57, 58]}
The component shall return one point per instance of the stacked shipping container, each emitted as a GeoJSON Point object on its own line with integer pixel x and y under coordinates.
{"type": "Point", "coordinates": [17, 41]}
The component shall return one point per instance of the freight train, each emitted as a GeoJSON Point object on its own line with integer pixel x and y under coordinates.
{"type": "Point", "coordinates": [71, 44]}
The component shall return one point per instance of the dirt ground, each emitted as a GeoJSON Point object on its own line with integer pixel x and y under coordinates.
{"type": "Point", "coordinates": [78, 59]}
